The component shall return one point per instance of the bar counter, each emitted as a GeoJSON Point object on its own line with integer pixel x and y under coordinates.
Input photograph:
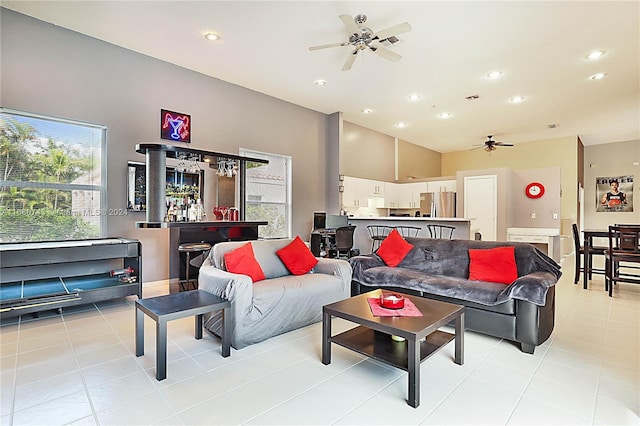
{"type": "Point", "coordinates": [202, 224]}
{"type": "Point", "coordinates": [212, 232]}
{"type": "Point", "coordinates": [362, 240]}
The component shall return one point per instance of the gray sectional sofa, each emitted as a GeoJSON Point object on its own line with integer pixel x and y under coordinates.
{"type": "Point", "coordinates": [283, 302]}
{"type": "Point", "coordinates": [522, 311]}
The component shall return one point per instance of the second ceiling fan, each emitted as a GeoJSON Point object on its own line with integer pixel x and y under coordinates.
{"type": "Point", "coordinates": [362, 38]}
{"type": "Point", "coordinates": [490, 145]}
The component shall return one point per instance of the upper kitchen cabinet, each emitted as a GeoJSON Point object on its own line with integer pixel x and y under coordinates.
{"type": "Point", "coordinates": [356, 192]}
{"type": "Point", "coordinates": [391, 195]}
{"type": "Point", "coordinates": [441, 186]}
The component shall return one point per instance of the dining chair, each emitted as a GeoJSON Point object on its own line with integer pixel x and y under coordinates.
{"type": "Point", "coordinates": [441, 231]}
{"type": "Point", "coordinates": [624, 248]}
{"type": "Point", "coordinates": [408, 231]}
{"type": "Point", "coordinates": [580, 254]}
{"type": "Point", "coordinates": [377, 234]}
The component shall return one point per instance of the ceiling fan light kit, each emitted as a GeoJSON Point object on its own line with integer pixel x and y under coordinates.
{"type": "Point", "coordinates": [362, 38]}
{"type": "Point", "coordinates": [490, 145]}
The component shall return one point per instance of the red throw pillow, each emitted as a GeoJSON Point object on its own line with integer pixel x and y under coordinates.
{"type": "Point", "coordinates": [394, 248]}
{"type": "Point", "coordinates": [496, 265]}
{"type": "Point", "coordinates": [297, 257]}
{"type": "Point", "coordinates": [243, 261]}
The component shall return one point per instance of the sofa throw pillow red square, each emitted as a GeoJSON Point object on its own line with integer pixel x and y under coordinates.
{"type": "Point", "coordinates": [393, 249]}
{"type": "Point", "coordinates": [496, 265]}
{"type": "Point", "coordinates": [243, 261]}
{"type": "Point", "coordinates": [297, 257]}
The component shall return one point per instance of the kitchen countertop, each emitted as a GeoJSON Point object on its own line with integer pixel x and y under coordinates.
{"type": "Point", "coordinates": [412, 218]}
{"type": "Point", "coordinates": [214, 223]}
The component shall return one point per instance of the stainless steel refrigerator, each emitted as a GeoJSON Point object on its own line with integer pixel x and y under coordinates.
{"type": "Point", "coordinates": [438, 204]}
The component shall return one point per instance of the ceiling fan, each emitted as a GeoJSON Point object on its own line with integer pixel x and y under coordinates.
{"type": "Point", "coordinates": [490, 145]}
{"type": "Point", "coordinates": [362, 38]}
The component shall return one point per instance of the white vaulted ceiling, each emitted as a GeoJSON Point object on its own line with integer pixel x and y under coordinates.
{"type": "Point", "coordinates": [540, 47]}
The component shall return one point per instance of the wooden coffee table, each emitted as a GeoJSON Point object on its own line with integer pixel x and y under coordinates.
{"type": "Point", "coordinates": [373, 337]}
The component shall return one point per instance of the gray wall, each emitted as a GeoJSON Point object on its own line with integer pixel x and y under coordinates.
{"type": "Point", "coordinates": [53, 71]}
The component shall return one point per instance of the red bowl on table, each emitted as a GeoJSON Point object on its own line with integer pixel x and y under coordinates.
{"type": "Point", "coordinates": [392, 301]}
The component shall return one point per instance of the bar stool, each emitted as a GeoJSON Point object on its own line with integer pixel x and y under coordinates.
{"type": "Point", "coordinates": [189, 248]}
{"type": "Point", "coordinates": [377, 234]}
{"type": "Point", "coordinates": [408, 231]}
{"type": "Point", "coordinates": [441, 231]}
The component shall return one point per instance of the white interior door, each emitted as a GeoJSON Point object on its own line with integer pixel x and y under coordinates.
{"type": "Point", "coordinates": [481, 204]}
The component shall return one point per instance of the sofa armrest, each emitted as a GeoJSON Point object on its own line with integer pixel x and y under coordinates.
{"type": "Point", "coordinates": [236, 288]}
{"type": "Point", "coordinates": [532, 288]}
{"type": "Point", "coordinates": [361, 263]}
{"type": "Point", "coordinates": [337, 267]}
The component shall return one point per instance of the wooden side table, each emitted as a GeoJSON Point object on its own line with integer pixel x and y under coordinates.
{"type": "Point", "coordinates": [163, 309]}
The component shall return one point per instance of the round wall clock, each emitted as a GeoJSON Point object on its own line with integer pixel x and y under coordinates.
{"type": "Point", "coordinates": [534, 190]}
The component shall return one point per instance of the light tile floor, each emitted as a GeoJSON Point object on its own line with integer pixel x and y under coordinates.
{"type": "Point", "coordinates": [80, 368]}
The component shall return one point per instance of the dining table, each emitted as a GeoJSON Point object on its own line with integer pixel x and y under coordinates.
{"type": "Point", "coordinates": [589, 235]}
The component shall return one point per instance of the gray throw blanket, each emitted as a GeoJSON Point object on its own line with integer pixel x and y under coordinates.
{"type": "Point", "coordinates": [441, 267]}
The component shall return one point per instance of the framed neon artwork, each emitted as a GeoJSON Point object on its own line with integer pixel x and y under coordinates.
{"type": "Point", "coordinates": [175, 126]}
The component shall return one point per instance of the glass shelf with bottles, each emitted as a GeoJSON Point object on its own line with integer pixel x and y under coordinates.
{"type": "Point", "coordinates": [179, 185]}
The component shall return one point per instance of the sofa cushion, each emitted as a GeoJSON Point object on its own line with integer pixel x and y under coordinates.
{"type": "Point", "coordinates": [297, 257]}
{"type": "Point", "coordinates": [242, 261]}
{"type": "Point", "coordinates": [264, 251]}
{"type": "Point", "coordinates": [496, 265]}
{"type": "Point", "coordinates": [393, 249]}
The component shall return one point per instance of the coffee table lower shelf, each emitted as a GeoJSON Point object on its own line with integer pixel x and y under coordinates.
{"type": "Point", "coordinates": [380, 346]}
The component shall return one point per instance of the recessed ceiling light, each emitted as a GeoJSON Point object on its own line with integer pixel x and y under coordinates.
{"type": "Point", "coordinates": [595, 54]}
{"type": "Point", "coordinates": [320, 82]}
{"type": "Point", "coordinates": [366, 111]}
{"type": "Point", "coordinates": [414, 97]}
{"type": "Point", "coordinates": [212, 36]}
{"type": "Point", "coordinates": [444, 115]}
{"type": "Point", "coordinates": [598, 76]}
{"type": "Point", "coordinates": [401, 125]}
{"type": "Point", "coordinates": [494, 74]}
{"type": "Point", "coordinates": [516, 99]}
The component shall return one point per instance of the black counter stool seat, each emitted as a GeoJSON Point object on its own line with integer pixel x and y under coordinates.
{"type": "Point", "coordinates": [189, 248]}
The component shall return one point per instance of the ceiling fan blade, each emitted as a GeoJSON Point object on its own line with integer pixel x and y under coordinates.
{"type": "Point", "coordinates": [503, 144]}
{"type": "Point", "coordinates": [350, 23]}
{"type": "Point", "coordinates": [324, 46]}
{"type": "Point", "coordinates": [350, 60]}
{"type": "Point", "coordinates": [405, 27]}
{"type": "Point", "coordinates": [386, 53]}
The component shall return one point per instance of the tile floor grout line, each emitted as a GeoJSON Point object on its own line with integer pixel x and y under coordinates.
{"type": "Point", "coordinates": [84, 381]}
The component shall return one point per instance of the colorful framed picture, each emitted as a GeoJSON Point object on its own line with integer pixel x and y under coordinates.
{"type": "Point", "coordinates": [614, 194]}
{"type": "Point", "coordinates": [175, 126]}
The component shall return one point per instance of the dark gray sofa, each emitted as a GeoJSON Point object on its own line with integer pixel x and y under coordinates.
{"type": "Point", "coordinates": [522, 312]}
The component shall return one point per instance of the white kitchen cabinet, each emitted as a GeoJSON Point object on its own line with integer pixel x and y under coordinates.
{"type": "Point", "coordinates": [410, 194]}
{"type": "Point", "coordinates": [375, 188]}
{"type": "Point", "coordinates": [441, 186]}
{"type": "Point", "coordinates": [355, 193]}
{"type": "Point", "coordinates": [391, 195]}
